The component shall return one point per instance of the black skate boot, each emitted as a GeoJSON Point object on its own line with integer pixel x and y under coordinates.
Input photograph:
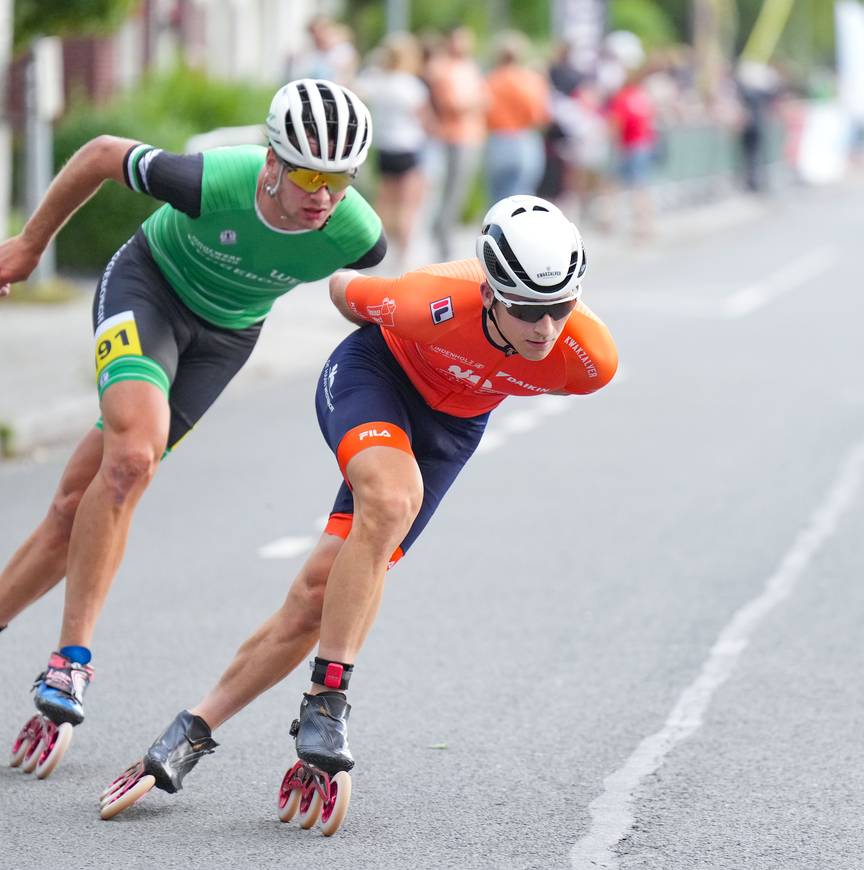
{"type": "Point", "coordinates": [177, 751]}
{"type": "Point", "coordinates": [321, 732]}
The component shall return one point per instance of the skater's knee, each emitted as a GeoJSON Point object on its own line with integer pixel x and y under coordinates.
{"type": "Point", "coordinates": [386, 515]}
{"type": "Point", "coordinates": [129, 469]}
{"type": "Point", "coordinates": [306, 602]}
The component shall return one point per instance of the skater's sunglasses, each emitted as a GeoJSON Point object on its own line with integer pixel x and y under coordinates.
{"type": "Point", "coordinates": [533, 313]}
{"type": "Point", "coordinates": [312, 180]}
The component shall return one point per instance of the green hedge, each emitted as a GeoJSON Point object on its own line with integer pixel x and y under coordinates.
{"type": "Point", "coordinates": [164, 111]}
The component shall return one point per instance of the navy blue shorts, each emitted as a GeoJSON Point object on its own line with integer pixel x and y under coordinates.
{"type": "Point", "coordinates": [362, 383]}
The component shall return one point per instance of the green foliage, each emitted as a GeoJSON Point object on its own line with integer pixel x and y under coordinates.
{"type": "Point", "coordinates": [646, 19]}
{"type": "Point", "coordinates": [807, 44]}
{"type": "Point", "coordinates": [680, 14]}
{"type": "Point", "coordinates": [164, 111]}
{"type": "Point", "coordinates": [189, 97]}
{"type": "Point", "coordinates": [62, 17]}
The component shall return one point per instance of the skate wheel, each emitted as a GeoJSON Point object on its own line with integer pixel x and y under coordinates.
{"type": "Point", "coordinates": [54, 745]}
{"type": "Point", "coordinates": [19, 750]}
{"type": "Point", "coordinates": [23, 741]}
{"type": "Point", "coordinates": [289, 804]}
{"type": "Point", "coordinates": [334, 810]}
{"type": "Point", "coordinates": [290, 795]}
{"type": "Point", "coordinates": [123, 798]}
{"type": "Point", "coordinates": [123, 783]}
{"type": "Point", "coordinates": [121, 780]}
{"type": "Point", "coordinates": [310, 807]}
{"type": "Point", "coordinates": [34, 747]}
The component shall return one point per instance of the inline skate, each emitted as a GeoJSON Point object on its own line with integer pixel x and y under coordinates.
{"type": "Point", "coordinates": [179, 748]}
{"type": "Point", "coordinates": [58, 695]}
{"type": "Point", "coordinates": [318, 786]}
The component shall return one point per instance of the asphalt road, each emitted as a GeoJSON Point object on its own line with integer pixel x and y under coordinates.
{"type": "Point", "coordinates": [629, 639]}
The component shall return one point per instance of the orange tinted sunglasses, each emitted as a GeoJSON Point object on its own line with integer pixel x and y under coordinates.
{"type": "Point", "coordinates": [311, 180]}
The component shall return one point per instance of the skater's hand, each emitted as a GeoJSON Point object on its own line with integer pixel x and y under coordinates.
{"type": "Point", "coordinates": [17, 260]}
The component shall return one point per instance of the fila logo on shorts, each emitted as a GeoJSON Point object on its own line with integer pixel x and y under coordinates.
{"type": "Point", "coordinates": [442, 310]}
{"type": "Point", "coordinates": [375, 433]}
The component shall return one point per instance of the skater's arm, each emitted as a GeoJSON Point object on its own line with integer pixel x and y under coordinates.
{"type": "Point", "coordinates": [339, 282]}
{"type": "Point", "coordinates": [590, 355]}
{"type": "Point", "coordinates": [97, 161]}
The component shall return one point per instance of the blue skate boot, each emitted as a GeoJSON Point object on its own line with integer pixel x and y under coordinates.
{"type": "Point", "coordinates": [60, 690]}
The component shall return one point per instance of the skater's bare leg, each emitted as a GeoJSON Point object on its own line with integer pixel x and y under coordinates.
{"type": "Point", "coordinates": [40, 562]}
{"type": "Point", "coordinates": [388, 492]}
{"type": "Point", "coordinates": [279, 645]}
{"type": "Point", "coordinates": [136, 418]}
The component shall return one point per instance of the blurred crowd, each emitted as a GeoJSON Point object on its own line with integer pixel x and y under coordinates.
{"type": "Point", "coordinates": [450, 129]}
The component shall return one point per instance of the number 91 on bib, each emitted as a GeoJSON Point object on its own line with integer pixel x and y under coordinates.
{"type": "Point", "coordinates": [115, 337]}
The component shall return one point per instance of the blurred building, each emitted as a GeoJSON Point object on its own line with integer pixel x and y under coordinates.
{"type": "Point", "coordinates": [229, 39]}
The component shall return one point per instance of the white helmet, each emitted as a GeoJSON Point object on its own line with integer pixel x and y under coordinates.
{"type": "Point", "coordinates": [530, 252]}
{"type": "Point", "coordinates": [316, 111]}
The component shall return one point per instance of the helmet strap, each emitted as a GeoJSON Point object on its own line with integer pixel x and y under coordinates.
{"type": "Point", "coordinates": [272, 189]}
{"type": "Point", "coordinates": [507, 347]}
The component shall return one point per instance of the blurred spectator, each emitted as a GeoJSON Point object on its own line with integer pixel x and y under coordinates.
{"type": "Point", "coordinates": [631, 114]}
{"type": "Point", "coordinates": [563, 74]}
{"type": "Point", "coordinates": [662, 81]}
{"type": "Point", "coordinates": [632, 122]}
{"type": "Point", "coordinates": [620, 55]}
{"type": "Point", "coordinates": [758, 88]}
{"type": "Point", "coordinates": [585, 145]}
{"type": "Point", "coordinates": [459, 103]}
{"type": "Point", "coordinates": [564, 79]}
{"type": "Point", "coordinates": [401, 114]}
{"type": "Point", "coordinates": [517, 110]}
{"type": "Point", "coordinates": [332, 55]}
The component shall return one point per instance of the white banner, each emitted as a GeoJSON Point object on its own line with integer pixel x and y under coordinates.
{"type": "Point", "coordinates": [849, 18]}
{"type": "Point", "coordinates": [580, 23]}
{"type": "Point", "coordinates": [48, 58]}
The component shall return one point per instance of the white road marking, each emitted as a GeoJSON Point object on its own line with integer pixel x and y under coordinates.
{"type": "Point", "coordinates": [285, 548]}
{"type": "Point", "coordinates": [789, 277]}
{"type": "Point", "coordinates": [742, 302]}
{"type": "Point", "coordinates": [612, 811]}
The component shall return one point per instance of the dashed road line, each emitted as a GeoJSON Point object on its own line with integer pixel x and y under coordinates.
{"type": "Point", "coordinates": [286, 548]}
{"type": "Point", "coordinates": [789, 277]}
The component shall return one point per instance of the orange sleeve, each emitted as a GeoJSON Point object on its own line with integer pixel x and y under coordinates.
{"type": "Point", "coordinates": [590, 355]}
{"type": "Point", "coordinates": [421, 306]}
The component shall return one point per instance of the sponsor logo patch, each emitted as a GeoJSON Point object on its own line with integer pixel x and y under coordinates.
{"type": "Point", "coordinates": [228, 237]}
{"type": "Point", "coordinates": [549, 273]}
{"type": "Point", "coordinates": [375, 433]}
{"type": "Point", "coordinates": [442, 309]}
{"type": "Point", "coordinates": [385, 313]}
